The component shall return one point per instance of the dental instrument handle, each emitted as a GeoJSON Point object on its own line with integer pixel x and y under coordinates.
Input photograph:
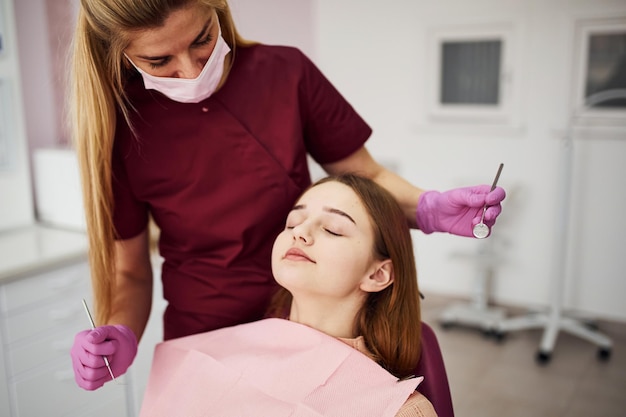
{"type": "Point", "coordinates": [481, 230]}
{"type": "Point", "coordinates": [493, 187]}
{"type": "Point", "coordinates": [93, 326]}
{"type": "Point", "coordinates": [495, 180]}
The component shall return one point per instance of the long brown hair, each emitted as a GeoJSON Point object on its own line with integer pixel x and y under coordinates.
{"type": "Point", "coordinates": [389, 320]}
{"type": "Point", "coordinates": [96, 95]}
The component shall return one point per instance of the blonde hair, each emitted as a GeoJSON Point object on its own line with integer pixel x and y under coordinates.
{"type": "Point", "coordinates": [98, 73]}
{"type": "Point", "coordinates": [389, 320]}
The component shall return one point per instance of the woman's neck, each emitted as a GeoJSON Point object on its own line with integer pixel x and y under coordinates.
{"type": "Point", "coordinates": [335, 318]}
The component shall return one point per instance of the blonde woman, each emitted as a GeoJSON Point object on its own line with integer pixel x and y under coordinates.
{"type": "Point", "coordinates": [178, 119]}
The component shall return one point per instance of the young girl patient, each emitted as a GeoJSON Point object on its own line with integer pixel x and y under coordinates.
{"type": "Point", "coordinates": [345, 336]}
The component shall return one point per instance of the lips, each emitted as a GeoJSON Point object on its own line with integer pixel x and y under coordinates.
{"type": "Point", "coordinates": [295, 254]}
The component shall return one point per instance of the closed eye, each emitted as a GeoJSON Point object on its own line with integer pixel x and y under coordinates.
{"type": "Point", "coordinates": [332, 233]}
{"type": "Point", "coordinates": [207, 40]}
{"type": "Point", "coordinates": [161, 63]}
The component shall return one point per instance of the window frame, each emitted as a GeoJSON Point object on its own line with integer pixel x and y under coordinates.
{"type": "Point", "coordinates": [582, 113]}
{"type": "Point", "coordinates": [482, 114]}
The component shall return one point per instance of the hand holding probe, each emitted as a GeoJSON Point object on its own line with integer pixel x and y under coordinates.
{"type": "Point", "coordinates": [93, 326]}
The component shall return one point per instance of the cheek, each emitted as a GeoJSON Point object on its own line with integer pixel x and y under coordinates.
{"type": "Point", "coordinates": [349, 254]}
{"type": "Point", "coordinates": [347, 265]}
{"type": "Point", "coordinates": [278, 250]}
{"type": "Point", "coordinates": [205, 51]}
{"type": "Point", "coordinates": [202, 55]}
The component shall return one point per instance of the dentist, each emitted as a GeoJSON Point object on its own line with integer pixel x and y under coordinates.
{"type": "Point", "coordinates": [178, 119]}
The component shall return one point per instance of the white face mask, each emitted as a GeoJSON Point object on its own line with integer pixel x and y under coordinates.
{"type": "Point", "coordinates": [185, 90]}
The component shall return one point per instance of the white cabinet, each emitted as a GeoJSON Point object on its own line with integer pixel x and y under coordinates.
{"type": "Point", "coordinates": [4, 389]}
{"type": "Point", "coordinates": [40, 312]}
{"type": "Point", "coordinates": [39, 316]}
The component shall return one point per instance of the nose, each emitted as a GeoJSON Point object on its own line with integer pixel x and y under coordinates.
{"type": "Point", "coordinates": [189, 67]}
{"type": "Point", "coordinates": [302, 233]}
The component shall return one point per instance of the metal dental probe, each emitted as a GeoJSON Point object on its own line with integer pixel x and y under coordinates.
{"type": "Point", "coordinates": [93, 326]}
{"type": "Point", "coordinates": [481, 230]}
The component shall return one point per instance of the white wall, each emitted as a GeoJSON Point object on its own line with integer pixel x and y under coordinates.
{"type": "Point", "coordinates": [36, 68]}
{"type": "Point", "coordinates": [16, 205]}
{"type": "Point", "coordinates": [378, 57]}
{"type": "Point", "coordinates": [286, 22]}
{"type": "Point", "coordinates": [43, 29]}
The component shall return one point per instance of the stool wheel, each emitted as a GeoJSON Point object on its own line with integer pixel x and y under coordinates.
{"type": "Point", "coordinates": [543, 358]}
{"type": "Point", "coordinates": [604, 354]}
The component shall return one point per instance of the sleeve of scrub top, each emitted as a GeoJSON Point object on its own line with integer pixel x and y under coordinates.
{"type": "Point", "coordinates": [130, 216]}
{"type": "Point", "coordinates": [333, 130]}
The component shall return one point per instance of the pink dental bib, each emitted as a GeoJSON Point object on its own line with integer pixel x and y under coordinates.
{"type": "Point", "coordinates": [272, 368]}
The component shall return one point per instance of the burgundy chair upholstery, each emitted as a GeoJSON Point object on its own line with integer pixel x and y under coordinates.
{"type": "Point", "coordinates": [435, 385]}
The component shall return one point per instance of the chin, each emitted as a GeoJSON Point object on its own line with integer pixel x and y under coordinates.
{"type": "Point", "coordinates": [288, 279]}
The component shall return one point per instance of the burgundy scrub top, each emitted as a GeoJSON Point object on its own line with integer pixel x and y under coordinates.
{"type": "Point", "coordinates": [220, 176]}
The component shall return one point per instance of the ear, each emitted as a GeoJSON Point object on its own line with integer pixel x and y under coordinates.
{"type": "Point", "coordinates": [380, 278]}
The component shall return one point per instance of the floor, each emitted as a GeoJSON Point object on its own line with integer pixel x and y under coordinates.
{"type": "Point", "coordinates": [501, 378]}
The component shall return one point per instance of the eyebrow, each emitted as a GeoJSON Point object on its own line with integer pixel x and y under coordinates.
{"type": "Point", "coordinates": [202, 34]}
{"type": "Point", "coordinates": [328, 210]}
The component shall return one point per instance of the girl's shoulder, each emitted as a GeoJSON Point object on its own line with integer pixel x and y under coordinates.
{"type": "Point", "coordinates": [417, 405]}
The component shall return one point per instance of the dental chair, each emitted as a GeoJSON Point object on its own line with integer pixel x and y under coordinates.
{"type": "Point", "coordinates": [435, 386]}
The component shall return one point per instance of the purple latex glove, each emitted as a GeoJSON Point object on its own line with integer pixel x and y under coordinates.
{"type": "Point", "coordinates": [118, 343]}
{"type": "Point", "coordinates": [457, 211]}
